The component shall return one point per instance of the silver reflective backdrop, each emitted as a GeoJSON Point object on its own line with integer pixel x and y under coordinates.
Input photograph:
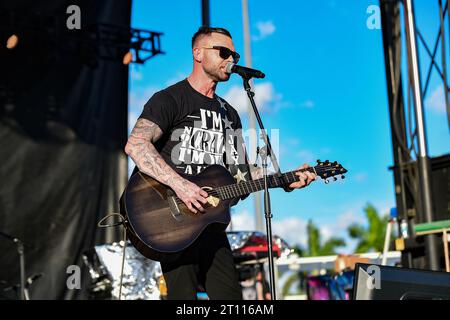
{"type": "Point", "coordinates": [140, 276]}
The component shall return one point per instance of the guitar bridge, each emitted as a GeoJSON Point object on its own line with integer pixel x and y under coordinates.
{"type": "Point", "coordinates": [174, 209]}
{"type": "Point", "coordinates": [213, 201]}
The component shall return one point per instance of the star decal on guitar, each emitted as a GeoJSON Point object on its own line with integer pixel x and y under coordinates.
{"type": "Point", "coordinates": [240, 176]}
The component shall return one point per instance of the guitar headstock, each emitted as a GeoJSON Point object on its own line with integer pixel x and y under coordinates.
{"type": "Point", "coordinates": [327, 169]}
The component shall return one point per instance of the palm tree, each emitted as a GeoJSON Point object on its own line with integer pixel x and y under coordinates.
{"type": "Point", "coordinates": [372, 236]}
{"type": "Point", "coordinates": [315, 246]}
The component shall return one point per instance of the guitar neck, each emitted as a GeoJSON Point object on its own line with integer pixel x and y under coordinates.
{"type": "Point", "coordinates": [246, 187]}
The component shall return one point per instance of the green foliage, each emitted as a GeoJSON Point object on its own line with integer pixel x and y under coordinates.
{"type": "Point", "coordinates": [289, 282]}
{"type": "Point", "coordinates": [315, 245]}
{"type": "Point", "coordinates": [370, 238]}
{"type": "Point", "coordinates": [299, 250]}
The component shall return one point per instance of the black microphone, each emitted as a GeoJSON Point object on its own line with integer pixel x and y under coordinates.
{"type": "Point", "coordinates": [243, 71]}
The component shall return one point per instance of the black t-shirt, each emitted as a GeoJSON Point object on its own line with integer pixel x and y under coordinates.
{"type": "Point", "coordinates": [193, 127]}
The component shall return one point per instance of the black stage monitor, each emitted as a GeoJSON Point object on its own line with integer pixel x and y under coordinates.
{"type": "Point", "coordinates": [375, 282]}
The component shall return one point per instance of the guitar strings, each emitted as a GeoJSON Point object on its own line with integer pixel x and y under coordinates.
{"type": "Point", "coordinates": [229, 191]}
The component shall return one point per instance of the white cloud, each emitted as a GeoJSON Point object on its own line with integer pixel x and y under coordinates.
{"type": "Point", "coordinates": [177, 78]}
{"type": "Point", "coordinates": [237, 97]}
{"type": "Point", "coordinates": [242, 221]}
{"type": "Point", "coordinates": [306, 156]}
{"type": "Point", "coordinates": [326, 232]}
{"type": "Point", "coordinates": [436, 100]}
{"type": "Point", "coordinates": [292, 229]}
{"type": "Point", "coordinates": [265, 29]}
{"type": "Point", "coordinates": [136, 74]}
{"type": "Point", "coordinates": [338, 229]}
{"type": "Point", "coordinates": [308, 104]}
{"type": "Point", "coordinates": [139, 96]}
{"type": "Point", "coordinates": [293, 141]}
{"type": "Point", "coordinates": [347, 218]}
{"type": "Point", "coordinates": [266, 98]}
{"type": "Point", "coordinates": [132, 118]}
{"type": "Point", "coordinates": [130, 166]}
{"type": "Point", "coordinates": [360, 177]}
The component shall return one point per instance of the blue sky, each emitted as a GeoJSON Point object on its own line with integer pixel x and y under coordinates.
{"type": "Point", "coordinates": [325, 91]}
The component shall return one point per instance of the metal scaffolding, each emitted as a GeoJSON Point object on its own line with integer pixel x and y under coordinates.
{"type": "Point", "coordinates": [412, 170]}
{"type": "Point", "coordinates": [93, 42]}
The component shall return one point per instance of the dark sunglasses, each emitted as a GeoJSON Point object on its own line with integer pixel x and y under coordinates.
{"type": "Point", "coordinates": [224, 53]}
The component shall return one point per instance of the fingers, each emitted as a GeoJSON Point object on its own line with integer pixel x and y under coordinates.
{"type": "Point", "coordinates": [305, 177]}
{"type": "Point", "coordinates": [198, 205]}
{"type": "Point", "coordinates": [203, 193]}
{"type": "Point", "coordinates": [195, 205]}
{"type": "Point", "coordinates": [310, 176]}
{"type": "Point", "coordinates": [190, 206]}
{"type": "Point", "coordinates": [196, 200]}
{"type": "Point", "coordinates": [201, 196]}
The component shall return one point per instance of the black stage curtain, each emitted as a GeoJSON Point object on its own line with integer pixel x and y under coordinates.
{"type": "Point", "coordinates": [63, 127]}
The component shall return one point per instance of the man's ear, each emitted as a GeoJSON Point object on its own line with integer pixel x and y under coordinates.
{"type": "Point", "coordinates": [197, 53]}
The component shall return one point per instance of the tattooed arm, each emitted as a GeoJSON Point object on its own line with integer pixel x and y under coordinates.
{"type": "Point", "coordinates": [144, 154]}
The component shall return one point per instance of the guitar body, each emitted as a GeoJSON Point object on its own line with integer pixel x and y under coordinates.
{"type": "Point", "coordinates": [159, 226]}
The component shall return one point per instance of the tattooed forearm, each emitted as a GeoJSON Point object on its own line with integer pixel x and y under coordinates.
{"type": "Point", "coordinates": [141, 149]}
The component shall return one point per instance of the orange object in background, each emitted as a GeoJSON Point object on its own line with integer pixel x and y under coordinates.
{"type": "Point", "coordinates": [347, 262]}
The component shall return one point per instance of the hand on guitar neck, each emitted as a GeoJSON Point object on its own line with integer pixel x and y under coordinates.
{"type": "Point", "coordinates": [305, 177]}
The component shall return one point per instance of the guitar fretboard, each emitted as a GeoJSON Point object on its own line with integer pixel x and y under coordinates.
{"type": "Point", "coordinates": [246, 187]}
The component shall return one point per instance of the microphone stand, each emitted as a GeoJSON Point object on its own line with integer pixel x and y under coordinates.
{"type": "Point", "coordinates": [20, 251]}
{"type": "Point", "coordinates": [265, 152]}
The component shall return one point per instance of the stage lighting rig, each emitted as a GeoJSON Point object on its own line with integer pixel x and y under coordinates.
{"type": "Point", "coordinates": [93, 42]}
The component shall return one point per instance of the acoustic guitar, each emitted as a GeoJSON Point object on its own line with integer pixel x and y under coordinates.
{"type": "Point", "coordinates": [159, 223]}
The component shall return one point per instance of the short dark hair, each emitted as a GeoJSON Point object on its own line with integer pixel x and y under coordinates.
{"type": "Point", "coordinates": [202, 31]}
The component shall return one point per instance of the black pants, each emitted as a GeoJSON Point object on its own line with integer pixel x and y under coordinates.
{"type": "Point", "coordinates": [208, 262]}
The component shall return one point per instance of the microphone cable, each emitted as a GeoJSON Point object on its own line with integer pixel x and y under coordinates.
{"type": "Point", "coordinates": [121, 221]}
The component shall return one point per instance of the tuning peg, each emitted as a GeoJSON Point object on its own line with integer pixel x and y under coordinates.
{"type": "Point", "coordinates": [318, 161]}
{"type": "Point", "coordinates": [334, 178]}
{"type": "Point", "coordinates": [327, 161]}
{"type": "Point", "coordinates": [326, 181]}
{"type": "Point", "coordinates": [342, 177]}
{"type": "Point", "coordinates": [335, 163]}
